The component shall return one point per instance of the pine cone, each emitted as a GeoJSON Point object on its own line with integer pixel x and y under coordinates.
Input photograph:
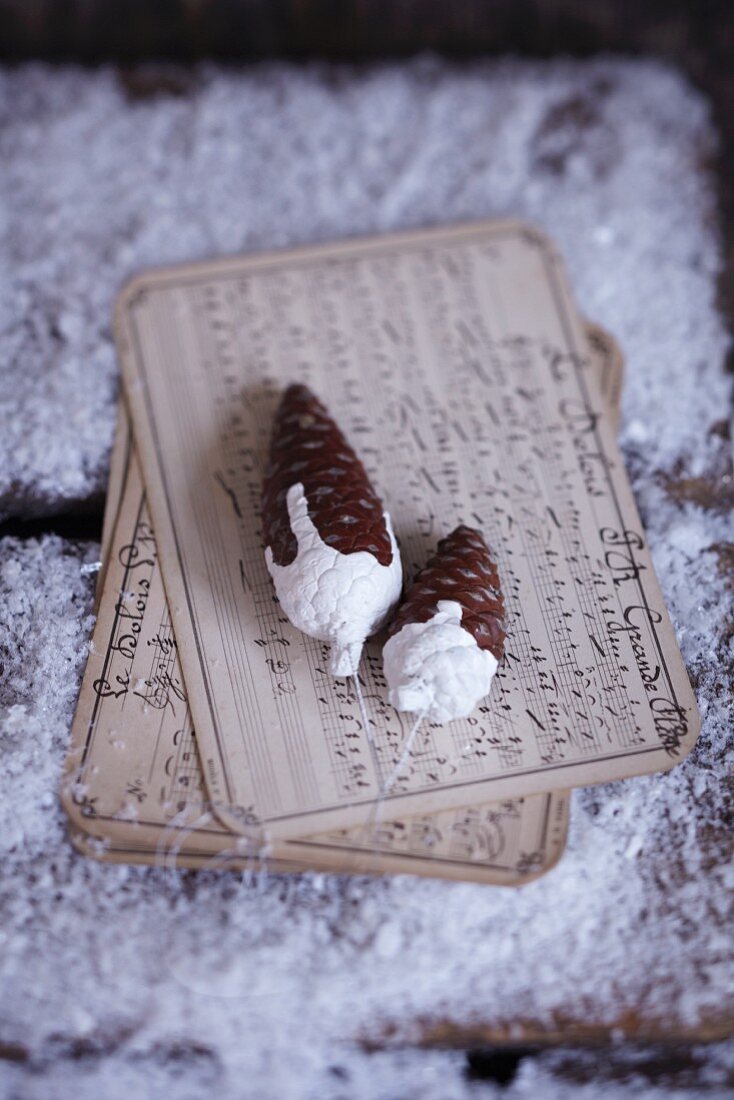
{"type": "Point", "coordinates": [307, 446]}
{"type": "Point", "coordinates": [462, 570]}
{"type": "Point", "coordinates": [448, 636]}
{"type": "Point", "coordinates": [329, 545]}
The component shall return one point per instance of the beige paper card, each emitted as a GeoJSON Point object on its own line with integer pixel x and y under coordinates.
{"type": "Point", "coordinates": [134, 789]}
{"type": "Point", "coordinates": [119, 469]}
{"type": "Point", "coordinates": [503, 843]}
{"type": "Point", "coordinates": [608, 365]}
{"type": "Point", "coordinates": [455, 361]}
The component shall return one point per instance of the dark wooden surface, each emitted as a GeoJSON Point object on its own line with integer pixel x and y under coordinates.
{"type": "Point", "coordinates": [237, 29]}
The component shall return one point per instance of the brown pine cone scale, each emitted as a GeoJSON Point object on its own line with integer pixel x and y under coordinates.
{"type": "Point", "coordinates": [308, 447]}
{"type": "Point", "coordinates": [462, 570]}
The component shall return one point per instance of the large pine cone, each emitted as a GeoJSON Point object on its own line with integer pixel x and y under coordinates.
{"type": "Point", "coordinates": [306, 446]}
{"type": "Point", "coordinates": [462, 570]}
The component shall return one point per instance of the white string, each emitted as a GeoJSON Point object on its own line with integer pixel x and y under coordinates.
{"type": "Point", "coordinates": [255, 872]}
{"type": "Point", "coordinates": [177, 830]}
{"type": "Point", "coordinates": [404, 754]}
{"type": "Point", "coordinates": [366, 723]}
{"type": "Point", "coordinates": [362, 707]}
{"type": "Point", "coordinates": [374, 820]}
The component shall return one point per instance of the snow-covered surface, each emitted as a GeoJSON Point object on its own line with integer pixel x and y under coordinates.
{"type": "Point", "coordinates": [607, 156]}
{"type": "Point", "coordinates": [117, 981]}
{"type": "Point", "coordinates": [436, 668]}
{"type": "Point", "coordinates": [338, 598]}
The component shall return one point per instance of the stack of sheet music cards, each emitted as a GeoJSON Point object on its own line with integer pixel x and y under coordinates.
{"type": "Point", "coordinates": [210, 732]}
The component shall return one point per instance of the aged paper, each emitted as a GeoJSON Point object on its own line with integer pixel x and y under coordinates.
{"type": "Point", "coordinates": [455, 361]}
{"type": "Point", "coordinates": [134, 788]}
{"type": "Point", "coordinates": [520, 839]}
{"type": "Point", "coordinates": [607, 364]}
{"type": "Point", "coordinates": [119, 469]}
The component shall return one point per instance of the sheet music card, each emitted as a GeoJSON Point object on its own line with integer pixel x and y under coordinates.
{"type": "Point", "coordinates": [456, 363]}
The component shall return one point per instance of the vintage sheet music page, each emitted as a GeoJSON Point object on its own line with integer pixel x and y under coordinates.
{"type": "Point", "coordinates": [455, 361]}
{"type": "Point", "coordinates": [134, 789]}
{"type": "Point", "coordinates": [139, 775]}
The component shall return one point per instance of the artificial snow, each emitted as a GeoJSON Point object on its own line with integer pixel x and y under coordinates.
{"type": "Point", "coordinates": [118, 980]}
{"type": "Point", "coordinates": [607, 156]}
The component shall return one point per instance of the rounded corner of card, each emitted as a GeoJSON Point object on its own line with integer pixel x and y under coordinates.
{"type": "Point", "coordinates": [132, 293]}
{"type": "Point", "coordinates": [531, 234]}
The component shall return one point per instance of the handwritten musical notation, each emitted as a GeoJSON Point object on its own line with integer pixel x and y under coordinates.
{"type": "Point", "coordinates": [135, 788]}
{"type": "Point", "coordinates": [455, 361]}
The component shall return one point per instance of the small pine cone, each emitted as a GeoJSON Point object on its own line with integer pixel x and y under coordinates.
{"type": "Point", "coordinates": [448, 636]}
{"type": "Point", "coordinates": [307, 447]}
{"type": "Point", "coordinates": [330, 548]}
{"type": "Point", "coordinates": [462, 569]}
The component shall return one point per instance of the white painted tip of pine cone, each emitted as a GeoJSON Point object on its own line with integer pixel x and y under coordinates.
{"type": "Point", "coordinates": [344, 659]}
{"type": "Point", "coordinates": [337, 598]}
{"type": "Point", "coordinates": [437, 667]}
